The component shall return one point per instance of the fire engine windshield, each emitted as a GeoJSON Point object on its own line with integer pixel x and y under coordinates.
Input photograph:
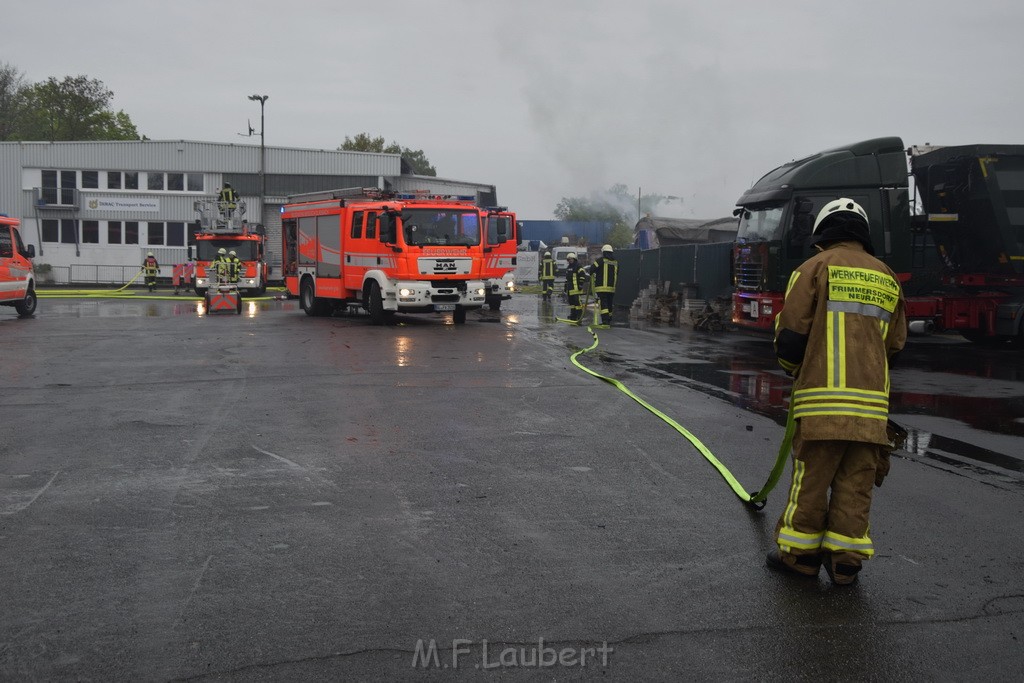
{"type": "Point", "coordinates": [451, 227]}
{"type": "Point", "coordinates": [760, 225]}
{"type": "Point", "coordinates": [206, 250]}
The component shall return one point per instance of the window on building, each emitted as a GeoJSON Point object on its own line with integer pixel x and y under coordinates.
{"type": "Point", "coordinates": [131, 180]}
{"type": "Point", "coordinates": [67, 231]}
{"type": "Point", "coordinates": [114, 232]}
{"type": "Point", "coordinates": [131, 232]}
{"type": "Point", "coordinates": [50, 230]}
{"type": "Point", "coordinates": [90, 232]}
{"type": "Point", "coordinates": [176, 182]}
{"type": "Point", "coordinates": [195, 182]}
{"type": "Point", "coordinates": [175, 234]}
{"type": "Point", "coordinates": [113, 180]}
{"type": "Point", "coordinates": [68, 185]}
{"type": "Point", "coordinates": [155, 181]}
{"type": "Point", "coordinates": [90, 180]}
{"type": "Point", "coordinates": [49, 189]}
{"type": "Point", "coordinates": [155, 234]}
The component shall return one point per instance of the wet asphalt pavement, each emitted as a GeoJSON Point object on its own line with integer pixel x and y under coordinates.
{"type": "Point", "coordinates": [276, 497]}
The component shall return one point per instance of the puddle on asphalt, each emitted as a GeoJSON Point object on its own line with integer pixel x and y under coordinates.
{"type": "Point", "coordinates": [748, 385]}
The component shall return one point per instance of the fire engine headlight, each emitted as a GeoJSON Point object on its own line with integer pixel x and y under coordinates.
{"type": "Point", "coordinates": [480, 292]}
{"type": "Point", "coordinates": [405, 291]}
{"type": "Point", "coordinates": [251, 282]}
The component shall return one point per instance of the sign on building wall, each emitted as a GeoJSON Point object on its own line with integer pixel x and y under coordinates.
{"type": "Point", "coordinates": [122, 204]}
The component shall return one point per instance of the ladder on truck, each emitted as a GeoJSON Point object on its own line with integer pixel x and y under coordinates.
{"type": "Point", "coordinates": [214, 215]}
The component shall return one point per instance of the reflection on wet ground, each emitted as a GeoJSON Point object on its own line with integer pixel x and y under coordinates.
{"type": "Point", "coordinates": [980, 388]}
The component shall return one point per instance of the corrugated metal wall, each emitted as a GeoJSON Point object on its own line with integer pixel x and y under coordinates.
{"type": "Point", "coordinates": [201, 156]}
{"type": "Point", "coordinates": [551, 232]}
{"type": "Point", "coordinates": [706, 269]}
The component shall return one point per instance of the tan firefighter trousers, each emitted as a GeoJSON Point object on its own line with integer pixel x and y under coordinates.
{"type": "Point", "coordinates": [814, 521]}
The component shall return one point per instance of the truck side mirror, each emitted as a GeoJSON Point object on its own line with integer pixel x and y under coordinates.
{"type": "Point", "coordinates": [386, 225]}
{"type": "Point", "coordinates": [30, 251]}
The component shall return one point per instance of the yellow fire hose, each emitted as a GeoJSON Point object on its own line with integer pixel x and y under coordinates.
{"type": "Point", "coordinates": [123, 293]}
{"type": "Point", "coordinates": [755, 499]}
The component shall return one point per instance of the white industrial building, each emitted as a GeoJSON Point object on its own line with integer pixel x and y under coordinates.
{"type": "Point", "coordinates": [93, 209]}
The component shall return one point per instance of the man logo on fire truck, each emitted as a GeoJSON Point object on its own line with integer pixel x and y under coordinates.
{"type": "Point", "coordinates": [384, 252]}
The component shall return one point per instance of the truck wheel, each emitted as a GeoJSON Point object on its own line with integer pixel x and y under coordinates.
{"type": "Point", "coordinates": [238, 310]}
{"type": "Point", "coordinates": [494, 304]}
{"type": "Point", "coordinates": [27, 306]}
{"type": "Point", "coordinates": [375, 304]}
{"type": "Point", "coordinates": [200, 292]}
{"type": "Point", "coordinates": [308, 301]}
{"type": "Point", "coordinates": [459, 316]}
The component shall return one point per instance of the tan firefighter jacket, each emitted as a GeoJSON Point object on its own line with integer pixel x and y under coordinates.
{"type": "Point", "coordinates": [841, 325]}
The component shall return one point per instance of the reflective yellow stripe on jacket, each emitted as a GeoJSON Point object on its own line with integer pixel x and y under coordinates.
{"type": "Point", "coordinates": [859, 291]}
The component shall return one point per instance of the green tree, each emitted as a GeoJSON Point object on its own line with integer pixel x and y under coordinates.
{"type": "Point", "coordinates": [13, 88]}
{"type": "Point", "coordinates": [416, 158]}
{"type": "Point", "coordinates": [75, 108]}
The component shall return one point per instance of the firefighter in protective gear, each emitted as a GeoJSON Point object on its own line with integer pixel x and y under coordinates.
{"type": "Point", "coordinates": [841, 325]}
{"type": "Point", "coordinates": [575, 280]}
{"type": "Point", "coordinates": [605, 273]}
{"type": "Point", "coordinates": [234, 266]}
{"type": "Point", "coordinates": [150, 268]}
{"type": "Point", "coordinates": [547, 276]}
{"type": "Point", "coordinates": [221, 265]}
{"type": "Point", "coordinates": [227, 200]}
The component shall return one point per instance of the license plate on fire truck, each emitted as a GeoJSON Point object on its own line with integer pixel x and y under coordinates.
{"type": "Point", "coordinates": [754, 312]}
{"type": "Point", "coordinates": [444, 307]}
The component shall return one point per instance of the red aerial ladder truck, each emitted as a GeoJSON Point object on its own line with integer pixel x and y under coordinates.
{"type": "Point", "coordinates": [384, 252]}
{"type": "Point", "coordinates": [222, 226]}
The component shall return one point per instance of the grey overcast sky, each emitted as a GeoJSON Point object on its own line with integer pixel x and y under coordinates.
{"type": "Point", "coordinates": [551, 98]}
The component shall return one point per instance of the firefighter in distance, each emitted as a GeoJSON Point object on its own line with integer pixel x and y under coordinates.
{"type": "Point", "coordinates": [547, 276]}
{"type": "Point", "coordinates": [150, 268]}
{"type": "Point", "coordinates": [605, 272]}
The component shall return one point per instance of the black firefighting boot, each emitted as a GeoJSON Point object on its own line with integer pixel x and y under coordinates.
{"type": "Point", "coordinates": [803, 565]}
{"type": "Point", "coordinates": [841, 573]}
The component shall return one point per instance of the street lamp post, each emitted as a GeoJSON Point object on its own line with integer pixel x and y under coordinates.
{"type": "Point", "coordinates": [262, 99]}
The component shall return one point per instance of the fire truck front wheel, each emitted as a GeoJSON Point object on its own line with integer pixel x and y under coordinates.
{"type": "Point", "coordinates": [200, 292]}
{"type": "Point", "coordinates": [459, 316]}
{"type": "Point", "coordinates": [27, 306]}
{"type": "Point", "coordinates": [374, 304]}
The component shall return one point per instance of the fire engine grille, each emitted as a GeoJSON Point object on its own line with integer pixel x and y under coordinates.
{"type": "Point", "coordinates": [446, 295]}
{"type": "Point", "coordinates": [748, 275]}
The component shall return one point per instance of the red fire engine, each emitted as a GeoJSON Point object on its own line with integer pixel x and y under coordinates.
{"type": "Point", "coordinates": [17, 280]}
{"type": "Point", "coordinates": [501, 244]}
{"type": "Point", "coordinates": [384, 252]}
{"type": "Point", "coordinates": [222, 226]}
